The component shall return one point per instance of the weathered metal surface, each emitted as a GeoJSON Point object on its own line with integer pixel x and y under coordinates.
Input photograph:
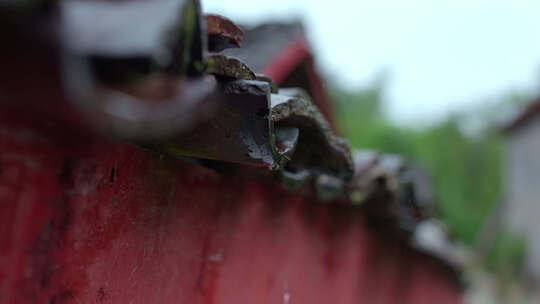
{"type": "Point", "coordinates": [407, 210]}
{"type": "Point", "coordinates": [295, 180]}
{"type": "Point", "coordinates": [127, 89]}
{"type": "Point", "coordinates": [87, 220]}
{"type": "Point", "coordinates": [371, 181]}
{"type": "Point", "coordinates": [387, 189]}
{"type": "Point", "coordinates": [222, 33]}
{"type": "Point", "coordinates": [319, 149]}
{"type": "Point", "coordinates": [328, 188]}
{"type": "Point", "coordinates": [273, 86]}
{"type": "Point", "coordinates": [286, 141]}
{"type": "Point", "coordinates": [241, 132]}
{"type": "Point", "coordinates": [281, 51]}
{"type": "Point", "coordinates": [229, 68]}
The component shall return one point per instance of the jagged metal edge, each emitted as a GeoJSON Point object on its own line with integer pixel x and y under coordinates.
{"type": "Point", "coordinates": [339, 161]}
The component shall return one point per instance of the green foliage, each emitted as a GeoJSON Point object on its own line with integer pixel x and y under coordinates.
{"type": "Point", "coordinates": [505, 256]}
{"type": "Point", "coordinates": [466, 168]}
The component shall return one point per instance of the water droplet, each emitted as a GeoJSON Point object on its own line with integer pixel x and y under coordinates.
{"type": "Point", "coordinates": [286, 298]}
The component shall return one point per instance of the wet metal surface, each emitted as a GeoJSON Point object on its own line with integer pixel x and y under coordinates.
{"type": "Point", "coordinates": [286, 140]}
{"type": "Point", "coordinates": [241, 132]}
{"type": "Point", "coordinates": [265, 78]}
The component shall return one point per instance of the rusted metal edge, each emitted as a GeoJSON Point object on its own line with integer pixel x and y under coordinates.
{"type": "Point", "coordinates": [231, 68]}
{"type": "Point", "coordinates": [255, 127]}
{"type": "Point", "coordinates": [222, 33]}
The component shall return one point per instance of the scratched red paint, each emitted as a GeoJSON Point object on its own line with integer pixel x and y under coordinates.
{"type": "Point", "coordinates": [86, 220]}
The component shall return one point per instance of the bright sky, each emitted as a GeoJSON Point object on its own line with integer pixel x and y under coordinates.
{"type": "Point", "coordinates": [440, 56]}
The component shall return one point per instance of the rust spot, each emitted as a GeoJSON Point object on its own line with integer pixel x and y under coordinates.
{"type": "Point", "coordinates": [62, 297]}
{"type": "Point", "coordinates": [66, 172]}
{"type": "Point", "coordinates": [62, 217]}
{"type": "Point", "coordinates": [100, 295]}
{"type": "Point", "coordinates": [222, 33]}
{"type": "Point", "coordinates": [112, 177]}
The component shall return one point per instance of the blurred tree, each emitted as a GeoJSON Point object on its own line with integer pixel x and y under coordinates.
{"type": "Point", "coordinates": [466, 167]}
